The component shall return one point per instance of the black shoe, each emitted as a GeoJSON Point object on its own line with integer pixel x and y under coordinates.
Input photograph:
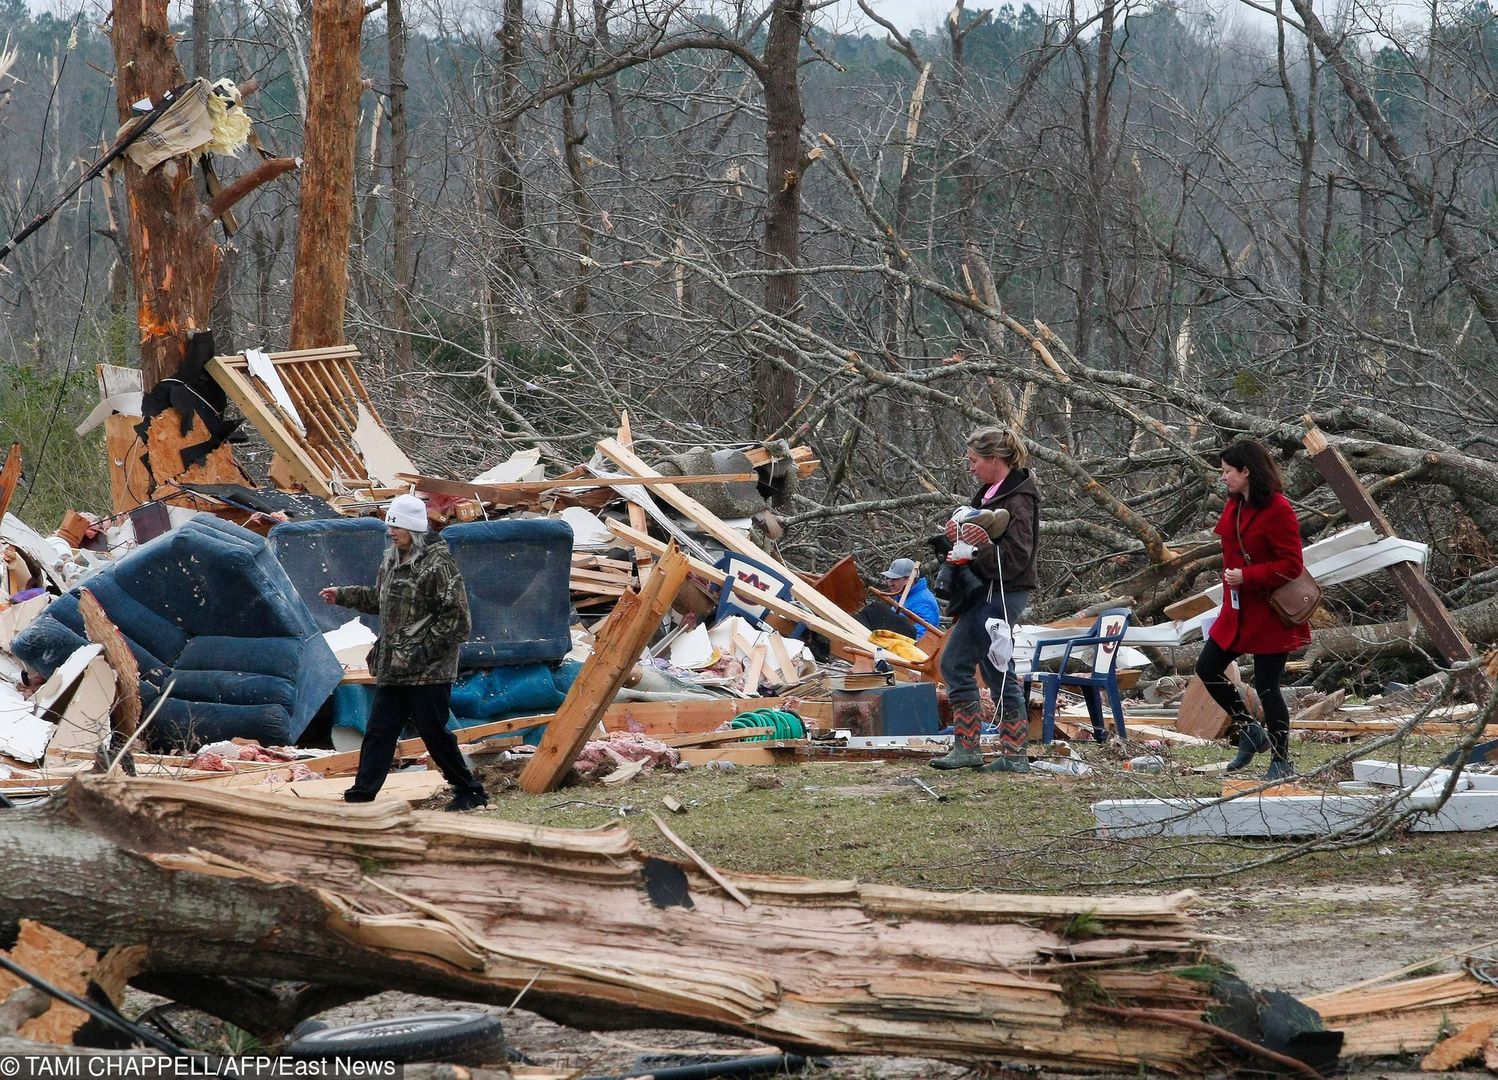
{"type": "Point", "coordinates": [467, 800]}
{"type": "Point", "coordinates": [357, 796]}
{"type": "Point", "coordinates": [1252, 739]}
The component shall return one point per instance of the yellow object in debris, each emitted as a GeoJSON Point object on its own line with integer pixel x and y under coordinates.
{"type": "Point", "coordinates": [231, 125]}
{"type": "Point", "coordinates": [899, 644]}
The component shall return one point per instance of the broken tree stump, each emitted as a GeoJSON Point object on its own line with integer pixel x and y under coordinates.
{"type": "Point", "coordinates": [374, 898]}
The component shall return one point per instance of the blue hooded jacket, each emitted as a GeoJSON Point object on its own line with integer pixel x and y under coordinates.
{"type": "Point", "coordinates": [923, 603]}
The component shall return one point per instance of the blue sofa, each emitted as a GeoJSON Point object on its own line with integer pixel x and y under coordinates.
{"type": "Point", "coordinates": [208, 606]}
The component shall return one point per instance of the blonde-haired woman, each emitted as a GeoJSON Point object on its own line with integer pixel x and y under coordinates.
{"type": "Point", "coordinates": [995, 583]}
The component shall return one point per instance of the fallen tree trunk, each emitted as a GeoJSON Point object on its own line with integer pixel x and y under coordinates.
{"type": "Point", "coordinates": [1479, 622]}
{"type": "Point", "coordinates": [591, 931]}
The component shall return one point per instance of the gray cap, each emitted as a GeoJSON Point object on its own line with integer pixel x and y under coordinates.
{"type": "Point", "coordinates": [900, 568]}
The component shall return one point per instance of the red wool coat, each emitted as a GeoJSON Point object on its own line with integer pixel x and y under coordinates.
{"type": "Point", "coordinates": [1271, 536]}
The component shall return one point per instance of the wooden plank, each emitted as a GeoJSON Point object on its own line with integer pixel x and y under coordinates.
{"type": "Point", "coordinates": [129, 479]}
{"type": "Point", "coordinates": [1164, 734]}
{"type": "Point", "coordinates": [615, 651]}
{"type": "Point", "coordinates": [661, 719]}
{"type": "Point", "coordinates": [1243, 787]}
{"type": "Point", "coordinates": [406, 787]}
{"type": "Point", "coordinates": [783, 659]}
{"type": "Point", "coordinates": [527, 488]}
{"type": "Point", "coordinates": [638, 520]}
{"type": "Point", "coordinates": [804, 457]}
{"type": "Point", "coordinates": [756, 668]}
{"type": "Point", "coordinates": [1190, 607]}
{"type": "Point", "coordinates": [1322, 709]}
{"type": "Point", "coordinates": [748, 755]}
{"type": "Point", "coordinates": [302, 466]}
{"type": "Point", "coordinates": [1199, 715]}
{"type": "Point", "coordinates": [124, 717]}
{"type": "Point", "coordinates": [709, 738]}
{"type": "Point", "coordinates": [832, 632]}
{"type": "Point", "coordinates": [1383, 727]}
{"type": "Point", "coordinates": [733, 540]}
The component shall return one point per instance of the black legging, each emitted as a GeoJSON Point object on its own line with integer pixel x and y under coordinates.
{"type": "Point", "coordinates": [1269, 668]}
{"type": "Point", "coordinates": [425, 708]}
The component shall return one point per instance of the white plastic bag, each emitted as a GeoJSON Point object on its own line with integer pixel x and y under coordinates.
{"type": "Point", "coordinates": [1000, 643]}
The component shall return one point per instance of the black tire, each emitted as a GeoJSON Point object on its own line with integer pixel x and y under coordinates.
{"type": "Point", "coordinates": [306, 1027]}
{"type": "Point", "coordinates": [466, 1038]}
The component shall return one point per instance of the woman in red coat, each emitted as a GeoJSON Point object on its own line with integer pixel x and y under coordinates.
{"type": "Point", "coordinates": [1261, 551]}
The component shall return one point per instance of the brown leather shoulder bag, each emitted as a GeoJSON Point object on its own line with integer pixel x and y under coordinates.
{"type": "Point", "coordinates": [1295, 601]}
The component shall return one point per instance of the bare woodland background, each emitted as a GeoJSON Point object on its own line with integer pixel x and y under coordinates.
{"type": "Point", "coordinates": [1133, 232]}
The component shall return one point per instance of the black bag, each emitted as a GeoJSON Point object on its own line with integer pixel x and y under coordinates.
{"type": "Point", "coordinates": [955, 584]}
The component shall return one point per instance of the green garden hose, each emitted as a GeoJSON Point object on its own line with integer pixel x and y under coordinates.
{"type": "Point", "coordinates": [787, 725]}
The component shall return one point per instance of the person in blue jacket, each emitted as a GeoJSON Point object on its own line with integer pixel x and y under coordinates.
{"type": "Point", "coordinates": [919, 600]}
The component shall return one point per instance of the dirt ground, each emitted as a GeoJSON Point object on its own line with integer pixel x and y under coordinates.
{"type": "Point", "coordinates": [1301, 940]}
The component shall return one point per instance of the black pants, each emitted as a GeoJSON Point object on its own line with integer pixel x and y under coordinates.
{"type": "Point", "coordinates": [424, 708]}
{"type": "Point", "coordinates": [1269, 668]}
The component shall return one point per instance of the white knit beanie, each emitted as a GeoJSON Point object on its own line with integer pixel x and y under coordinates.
{"type": "Point", "coordinates": [407, 512]}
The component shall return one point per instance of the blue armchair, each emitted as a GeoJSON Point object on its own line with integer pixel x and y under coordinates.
{"type": "Point", "coordinates": [1105, 637]}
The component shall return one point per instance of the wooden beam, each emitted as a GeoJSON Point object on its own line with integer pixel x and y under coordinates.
{"type": "Point", "coordinates": [528, 489]}
{"type": "Point", "coordinates": [1422, 599]}
{"type": "Point", "coordinates": [709, 738]}
{"type": "Point", "coordinates": [637, 517]}
{"type": "Point", "coordinates": [804, 457]}
{"type": "Point", "coordinates": [615, 651]}
{"type": "Point", "coordinates": [828, 630]}
{"type": "Point", "coordinates": [734, 540]}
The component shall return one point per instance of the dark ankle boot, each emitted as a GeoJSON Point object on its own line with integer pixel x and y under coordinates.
{"type": "Point", "coordinates": [1252, 739]}
{"type": "Point", "coordinates": [1280, 768]}
{"type": "Point", "coordinates": [966, 726]}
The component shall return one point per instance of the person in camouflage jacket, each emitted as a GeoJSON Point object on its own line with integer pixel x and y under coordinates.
{"type": "Point", "coordinates": [423, 608]}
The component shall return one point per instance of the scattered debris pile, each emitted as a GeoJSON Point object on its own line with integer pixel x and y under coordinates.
{"type": "Point", "coordinates": [619, 597]}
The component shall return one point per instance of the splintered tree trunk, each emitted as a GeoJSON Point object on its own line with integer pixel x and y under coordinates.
{"type": "Point", "coordinates": [596, 932]}
{"type": "Point", "coordinates": [400, 187]}
{"type": "Point", "coordinates": [326, 215]}
{"type": "Point", "coordinates": [175, 259]}
{"type": "Point", "coordinates": [507, 186]}
{"type": "Point", "coordinates": [776, 383]}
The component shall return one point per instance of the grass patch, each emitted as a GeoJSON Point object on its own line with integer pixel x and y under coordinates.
{"type": "Point", "coordinates": [997, 834]}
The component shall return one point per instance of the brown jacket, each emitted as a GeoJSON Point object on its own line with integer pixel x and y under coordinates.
{"type": "Point", "coordinates": [1020, 495]}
